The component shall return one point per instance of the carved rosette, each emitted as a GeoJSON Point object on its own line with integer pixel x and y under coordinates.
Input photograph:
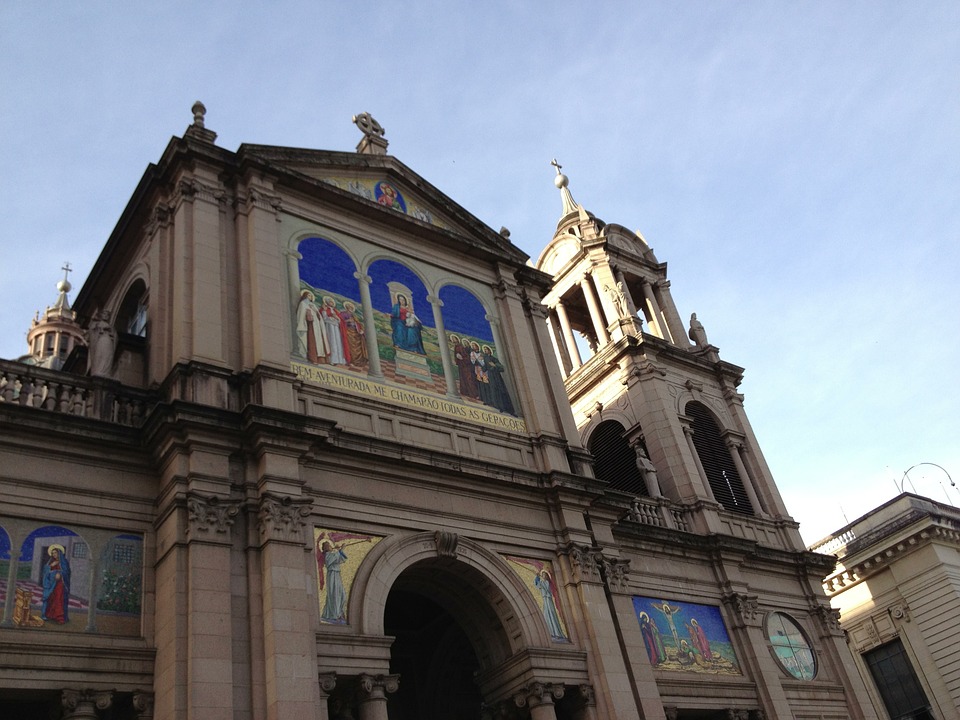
{"type": "Point", "coordinates": [446, 543]}
{"type": "Point", "coordinates": [83, 704]}
{"type": "Point", "coordinates": [746, 608]}
{"type": "Point", "coordinates": [538, 693]}
{"type": "Point", "coordinates": [283, 518]}
{"type": "Point", "coordinates": [208, 516]}
{"type": "Point", "coordinates": [586, 561]}
{"type": "Point", "coordinates": [900, 612]}
{"type": "Point", "coordinates": [617, 572]}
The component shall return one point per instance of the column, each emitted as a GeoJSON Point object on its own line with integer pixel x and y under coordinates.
{"type": "Point", "coordinates": [369, 327]}
{"type": "Point", "coordinates": [293, 279]}
{"type": "Point", "coordinates": [539, 698]}
{"type": "Point", "coordinates": [83, 704]}
{"type": "Point", "coordinates": [328, 681]}
{"type": "Point", "coordinates": [589, 292]}
{"type": "Point", "coordinates": [373, 695]}
{"type": "Point", "coordinates": [92, 589]}
{"type": "Point", "coordinates": [677, 329]}
{"type": "Point", "coordinates": [707, 490]}
{"type": "Point", "coordinates": [437, 304]}
{"type": "Point", "coordinates": [11, 601]}
{"type": "Point", "coordinates": [289, 643]}
{"type": "Point", "coordinates": [143, 704]}
{"type": "Point", "coordinates": [656, 317]}
{"type": "Point", "coordinates": [572, 349]}
{"type": "Point", "coordinates": [734, 447]}
{"type": "Point", "coordinates": [563, 358]}
{"type": "Point", "coordinates": [586, 704]}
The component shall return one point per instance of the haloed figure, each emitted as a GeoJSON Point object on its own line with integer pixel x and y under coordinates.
{"type": "Point", "coordinates": [335, 607]}
{"type": "Point", "coordinates": [56, 586]}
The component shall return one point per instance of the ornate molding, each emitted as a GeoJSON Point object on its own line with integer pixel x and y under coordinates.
{"type": "Point", "coordinates": [210, 513]}
{"type": "Point", "coordinates": [446, 543]}
{"type": "Point", "coordinates": [283, 518]}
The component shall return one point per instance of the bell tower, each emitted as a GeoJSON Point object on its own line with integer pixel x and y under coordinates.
{"type": "Point", "coordinates": [657, 407]}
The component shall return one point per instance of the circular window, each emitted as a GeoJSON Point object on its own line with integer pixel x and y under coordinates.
{"type": "Point", "coordinates": [791, 646]}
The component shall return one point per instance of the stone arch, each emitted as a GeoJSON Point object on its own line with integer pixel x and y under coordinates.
{"type": "Point", "coordinates": [500, 616]}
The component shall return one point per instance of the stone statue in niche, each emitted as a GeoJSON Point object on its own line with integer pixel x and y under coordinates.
{"type": "Point", "coordinates": [648, 471]}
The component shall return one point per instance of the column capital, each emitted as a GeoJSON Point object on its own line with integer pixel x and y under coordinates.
{"type": "Point", "coordinates": [376, 687]}
{"type": "Point", "coordinates": [209, 515]}
{"type": "Point", "coordinates": [328, 682]}
{"type": "Point", "coordinates": [586, 561]}
{"type": "Point", "coordinates": [746, 608]}
{"type": "Point", "coordinates": [83, 704]}
{"type": "Point", "coordinates": [283, 517]}
{"type": "Point", "coordinates": [143, 704]}
{"type": "Point", "coordinates": [538, 693]}
{"type": "Point", "coordinates": [363, 277]}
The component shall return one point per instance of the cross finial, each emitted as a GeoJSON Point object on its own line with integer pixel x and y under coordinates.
{"type": "Point", "coordinates": [66, 269]}
{"type": "Point", "coordinates": [557, 165]}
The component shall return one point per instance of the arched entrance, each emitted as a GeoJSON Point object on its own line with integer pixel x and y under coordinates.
{"type": "Point", "coordinates": [445, 633]}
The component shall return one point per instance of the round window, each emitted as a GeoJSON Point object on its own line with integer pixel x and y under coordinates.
{"type": "Point", "coordinates": [791, 646]}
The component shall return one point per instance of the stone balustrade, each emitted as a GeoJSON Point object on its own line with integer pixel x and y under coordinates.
{"type": "Point", "coordinates": [59, 392]}
{"type": "Point", "coordinates": [659, 513]}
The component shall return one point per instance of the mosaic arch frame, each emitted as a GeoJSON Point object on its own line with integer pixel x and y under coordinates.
{"type": "Point", "coordinates": [70, 579]}
{"type": "Point", "coordinates": [381, 327]}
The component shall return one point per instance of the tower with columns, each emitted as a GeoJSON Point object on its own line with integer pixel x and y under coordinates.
{"type": "Point", "coordinates": [337, 451]}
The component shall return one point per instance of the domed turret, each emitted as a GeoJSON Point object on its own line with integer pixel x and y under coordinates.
{"type": "Point", "coordinates": [52, 337]}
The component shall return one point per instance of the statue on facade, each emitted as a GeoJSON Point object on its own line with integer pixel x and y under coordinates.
{"type": "Point", "coordinates": [619, 299]}
{"type": "Point", "coordinates": [697, 334]}
{"type": "Point", "coordinates": [101, 344]}
{"type": "Point", "coordinates": [648, 471]}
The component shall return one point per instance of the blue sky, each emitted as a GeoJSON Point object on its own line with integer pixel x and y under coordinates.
{"type": "Point", "coordinates": [797, 164]}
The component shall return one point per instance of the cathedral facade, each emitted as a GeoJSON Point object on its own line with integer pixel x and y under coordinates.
{"type": "Point", "coordinates": [336, 449]}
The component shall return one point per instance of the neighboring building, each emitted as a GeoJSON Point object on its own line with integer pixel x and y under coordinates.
{"type": "Point", "coordinates": [897, 587]}
{"type": "Point", "coordinates": [335, 450]}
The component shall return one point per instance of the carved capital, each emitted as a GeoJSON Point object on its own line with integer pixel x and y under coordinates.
{"type": "Point", "coordinates": [586, 561]}
{"type": "Point", "coordinates": [446, 543]}
{"type": "Point", "coordinates": [376, 687]}
{"type": "Point", "coordinates": [143, 704]}
{"type": "Point", "coordinates": [210, 515]}
{"type": "Point", "coordinates": [829, 619]}
{"type": "Point", "coordinates": [328, 683]}
{"type": "Point", "coordinates": [617, 572]}
{"type": "Point", "coordinates": [283, 518]}
{"type": "Point", "coordinates": [745, 607]}
{"type": "Point", "coordinates": [538, 693]}
{"type": "Point", "coordinates": [586, 696]}
{"type": "Point", "coordinates": [83, 704]}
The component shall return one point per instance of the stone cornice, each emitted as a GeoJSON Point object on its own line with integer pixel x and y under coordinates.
{"type": "Point", "coordinates": [878, 556]}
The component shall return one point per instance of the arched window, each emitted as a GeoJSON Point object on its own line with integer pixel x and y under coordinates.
{"type": "Point", "coordinates": [717, 463]}
{"type": "Point", "coordinates": [614, 461]}
{"type": "Point", "coordinates": [132, 316]}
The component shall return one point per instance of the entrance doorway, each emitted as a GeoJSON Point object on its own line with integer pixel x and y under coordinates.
{"type": "Point", "coordinates": [434, 659]}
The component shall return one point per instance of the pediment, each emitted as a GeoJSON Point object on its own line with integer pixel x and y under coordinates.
{"type": "Point", "coordinates": [385, 182]}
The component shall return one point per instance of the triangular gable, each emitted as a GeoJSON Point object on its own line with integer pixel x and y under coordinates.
{"type": "Point", "coordinates": [385, 181]}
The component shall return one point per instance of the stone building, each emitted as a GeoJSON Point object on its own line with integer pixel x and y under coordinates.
{"type": "Point", "coordinates": [897, 587]}
{"type": "Point", "coordinates": [336, 449]}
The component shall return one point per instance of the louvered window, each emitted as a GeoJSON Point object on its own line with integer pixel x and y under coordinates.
{"type": "Point", "coordinates": [716, 460]}
{"type": "Point", "coordinates": [614, 461]}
